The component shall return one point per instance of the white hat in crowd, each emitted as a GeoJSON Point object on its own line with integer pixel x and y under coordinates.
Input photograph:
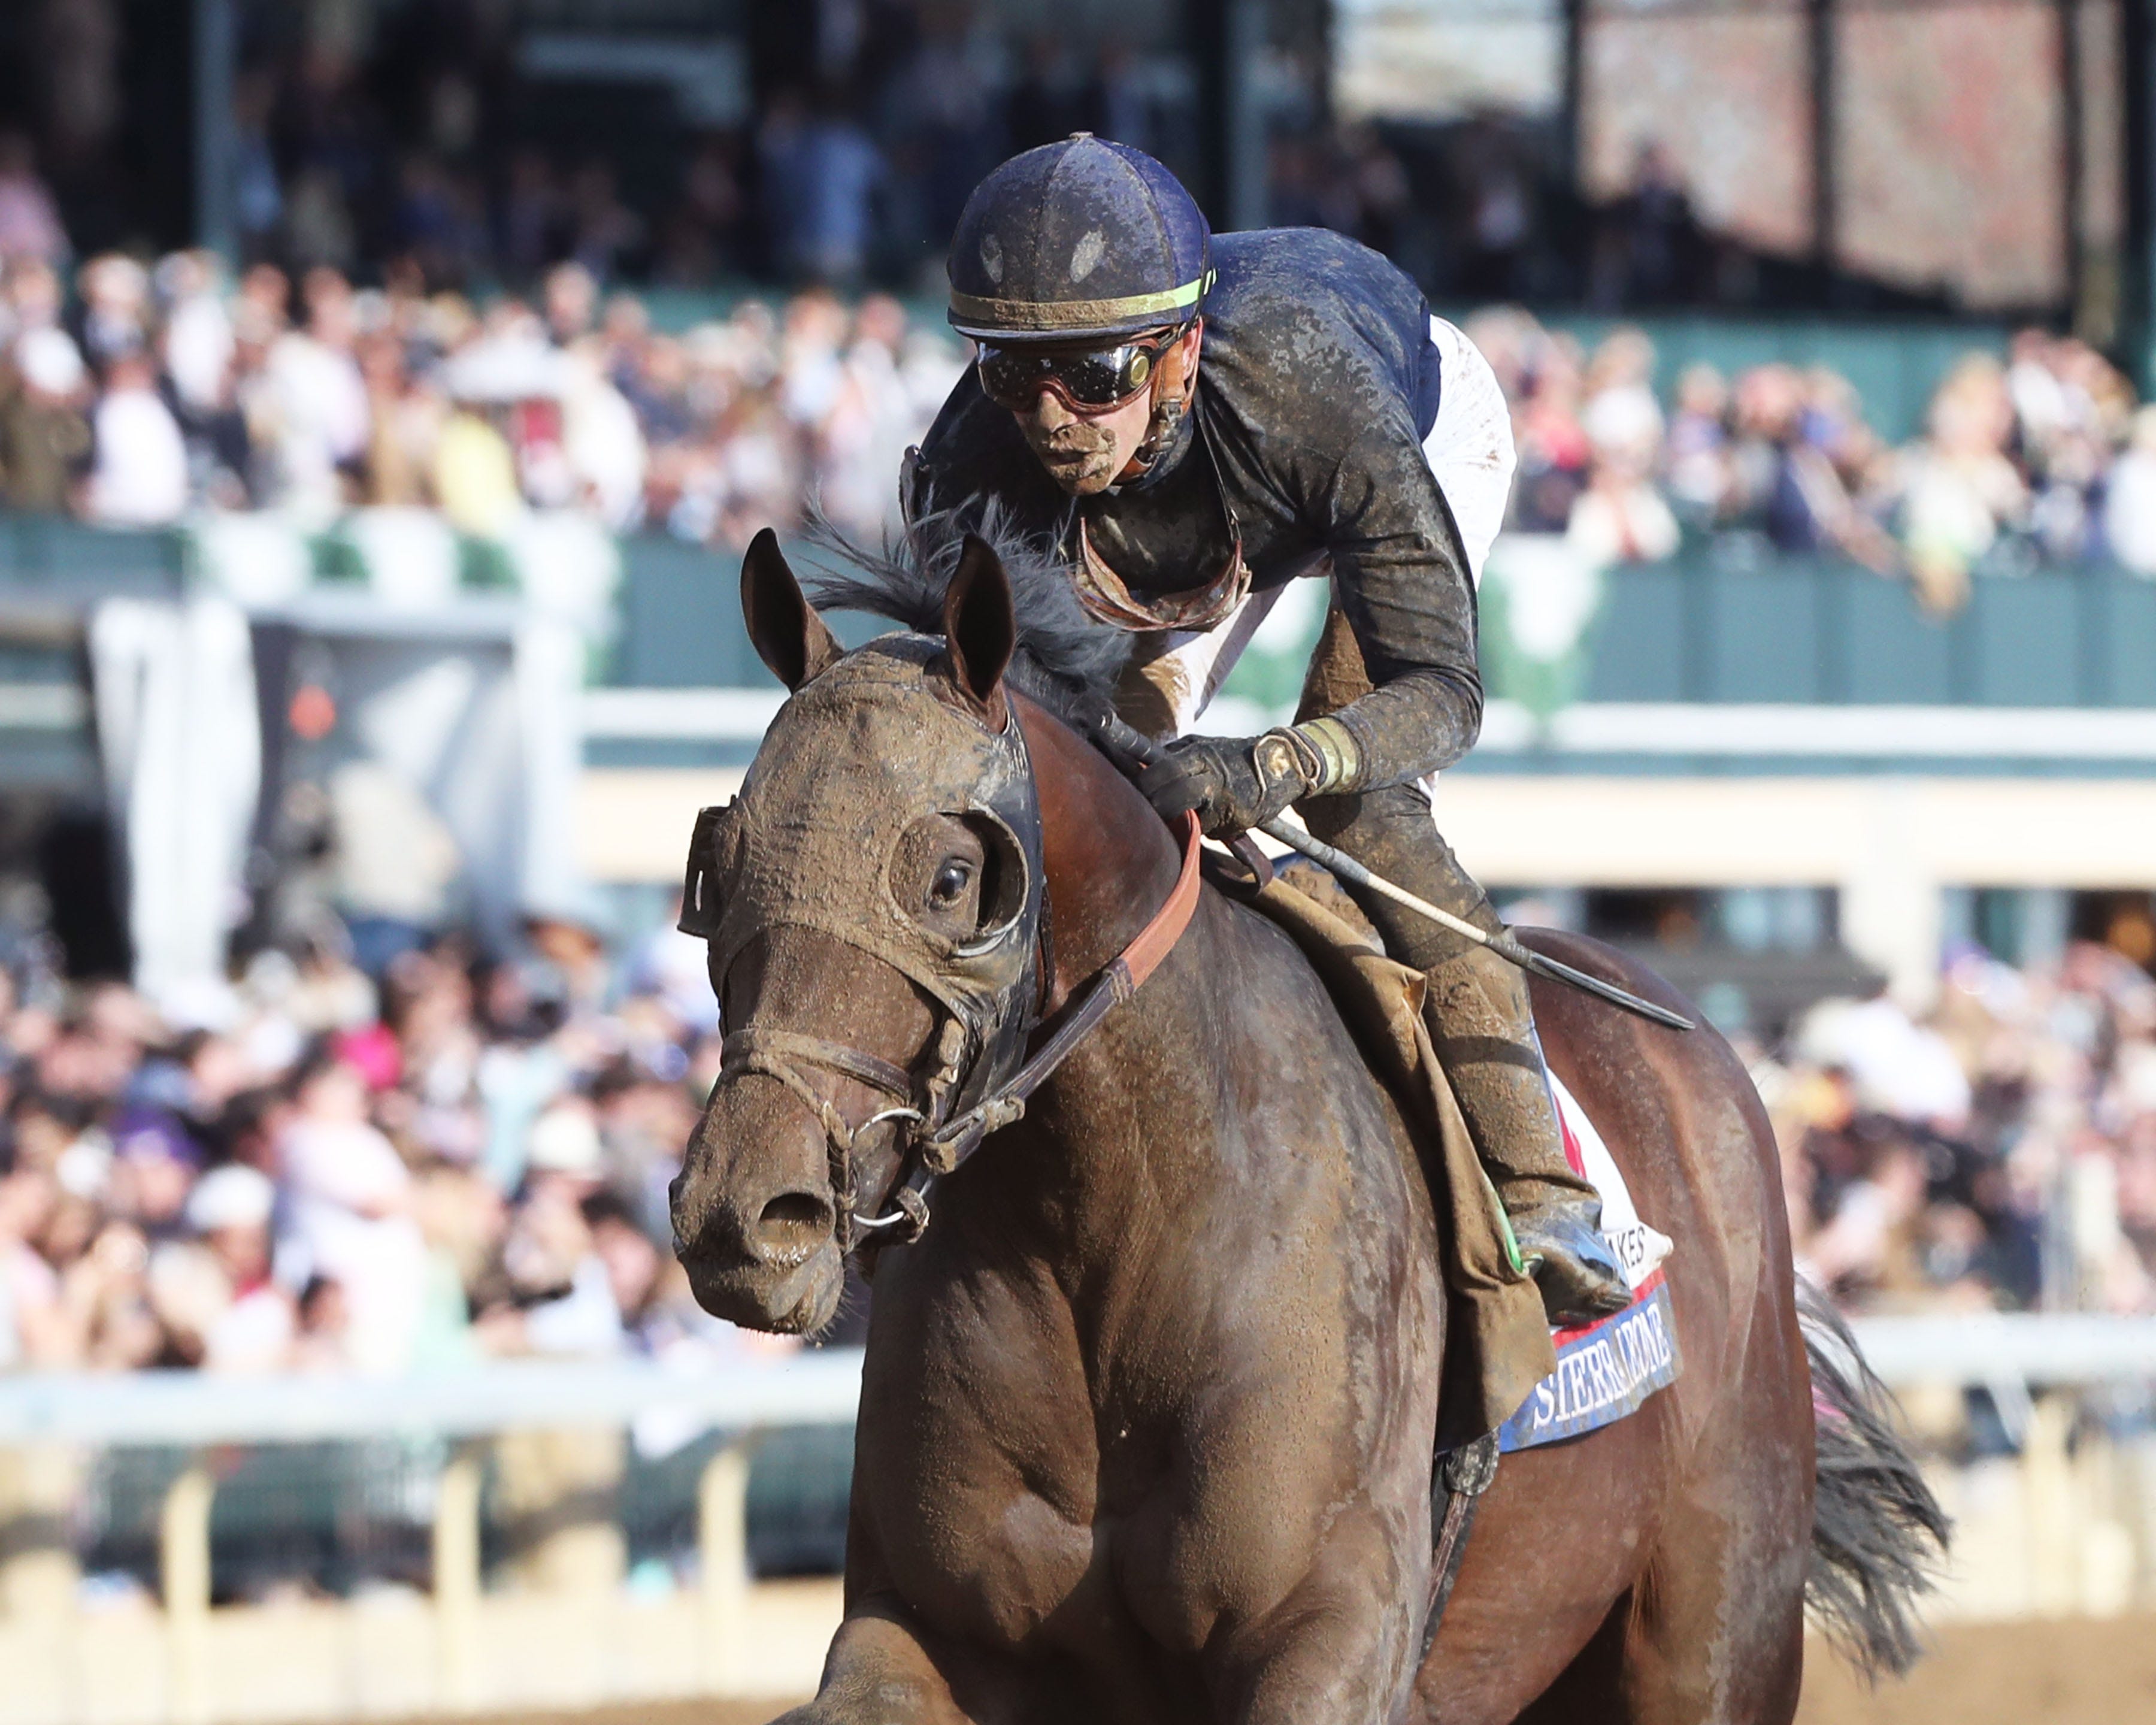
{"type": "Point", "coordinates": [234, 1196]}
{"type": "Point", "coordinates": [565, 1140]}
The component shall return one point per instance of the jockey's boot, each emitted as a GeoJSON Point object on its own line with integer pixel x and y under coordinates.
{"type": "Point", "coordinates": [1477, 1008]}
{"type": "Point", "coordinates": [1482, 1024]}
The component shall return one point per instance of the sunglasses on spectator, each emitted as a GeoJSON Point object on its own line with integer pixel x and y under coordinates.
{"type": "Point", "coordinates": [1085, 379]}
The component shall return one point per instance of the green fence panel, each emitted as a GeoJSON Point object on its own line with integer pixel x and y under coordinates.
{"type": "Point", "coordinates": [1637, 644]}
{"type": "Point", "coordinates": [681, 621]}
{"type": "Point", "coordinates": [2025, 639]}
{"type": "Point", "coordinates": [1892, 654]}
{"type": "Point", "coordinates": [2119, 644]}
{"type": "Point", "coordinates": [1763, 635]}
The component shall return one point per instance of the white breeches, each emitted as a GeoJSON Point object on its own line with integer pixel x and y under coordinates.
{"type": "Point", "coordinates": [1469, 450]}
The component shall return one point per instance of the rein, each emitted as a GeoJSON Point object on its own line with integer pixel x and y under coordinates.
{"type": "Point", "coordinates": [934, 1147]}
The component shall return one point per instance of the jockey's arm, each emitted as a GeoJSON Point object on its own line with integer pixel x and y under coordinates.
{"type": "Point", "coordinates": [1401, 576]}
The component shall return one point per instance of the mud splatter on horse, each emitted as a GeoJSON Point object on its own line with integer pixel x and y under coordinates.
{"type": "Point", "coordinates": [1146, 1420]}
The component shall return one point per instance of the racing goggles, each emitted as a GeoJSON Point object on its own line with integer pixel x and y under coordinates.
{"type": "Point", "coordinates": [1086, 379]}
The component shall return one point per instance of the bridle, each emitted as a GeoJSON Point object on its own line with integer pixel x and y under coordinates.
{"type": "Point", "coordinates": [932, 1145]}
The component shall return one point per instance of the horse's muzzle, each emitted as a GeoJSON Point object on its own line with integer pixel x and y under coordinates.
{"type": "Point", "coordinates": [772, 1263]}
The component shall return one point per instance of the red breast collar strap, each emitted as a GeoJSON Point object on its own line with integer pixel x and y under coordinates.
{"type": "Point", "coordinates": [942, 1150]}
{"type": "Point", "coordinates": [1157, 938]}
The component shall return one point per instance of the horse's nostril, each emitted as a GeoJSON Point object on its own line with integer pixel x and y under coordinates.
{"type": "Point", "coordinates": [792, 1222]}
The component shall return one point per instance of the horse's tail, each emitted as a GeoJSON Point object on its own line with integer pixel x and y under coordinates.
{"type": "Point", "coordinates": [1878, 1534]}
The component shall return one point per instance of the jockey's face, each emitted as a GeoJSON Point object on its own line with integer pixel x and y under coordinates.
{"type": "Point", "coordinates": [1086, 450]}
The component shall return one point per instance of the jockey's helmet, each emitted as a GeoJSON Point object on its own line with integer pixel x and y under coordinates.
{"type": "Point", "coordinates": [1083, 241]}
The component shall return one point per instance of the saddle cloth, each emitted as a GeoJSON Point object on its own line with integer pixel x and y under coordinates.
{"type": "Point", "coordinates": [1504, 1369]}
{"type": "Point", "coordinates": [1605, 1370]}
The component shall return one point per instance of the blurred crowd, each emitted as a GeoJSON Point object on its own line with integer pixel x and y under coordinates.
{"type": "Point", "coordinates": [150, 393]}
{"type": "Point", "coordinates": [2041, 458]}
{"type": "Point", "coordinates": [2000, 1153]}
{"type": "Point", "coordinates": [146, 393]}
{"type": "Point", "coordinates": [322, 1171]}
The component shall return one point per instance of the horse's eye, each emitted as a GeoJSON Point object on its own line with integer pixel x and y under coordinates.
{"type": "Point", "coordinates": [951, 882]}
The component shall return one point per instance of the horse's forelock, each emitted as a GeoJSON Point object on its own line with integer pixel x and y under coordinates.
{"type": "Point", "coordinates": [1066, 661]}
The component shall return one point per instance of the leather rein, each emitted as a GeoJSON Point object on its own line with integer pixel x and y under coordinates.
{"type": "Point", "coordinates": [932, 1145]}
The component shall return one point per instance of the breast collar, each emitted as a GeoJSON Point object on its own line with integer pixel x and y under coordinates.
{"type": "Point", "coordinates": [1107, 599]}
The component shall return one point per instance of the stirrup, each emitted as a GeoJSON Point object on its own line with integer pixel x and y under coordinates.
{"type": "Point", "coordinates": [1579, 1276]}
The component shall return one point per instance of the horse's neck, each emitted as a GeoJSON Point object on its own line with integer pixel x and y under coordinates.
{"type": "Point", "coordinates": [1130, 1114]}
{"type": "Point", "coordinates": [1111, 861]}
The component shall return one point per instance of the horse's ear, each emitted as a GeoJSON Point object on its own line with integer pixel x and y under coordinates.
{"type": "Point", "coordinates": [788, 634]}
{"type": "Point", "coordinates": [979, 625]}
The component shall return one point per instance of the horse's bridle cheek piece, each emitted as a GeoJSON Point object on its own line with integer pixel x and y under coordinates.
{"type": "Point", "coordinates": [788, 852]}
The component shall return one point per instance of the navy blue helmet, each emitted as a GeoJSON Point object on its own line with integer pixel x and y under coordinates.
{"type": "Point", "coordinates": [1079, 241]}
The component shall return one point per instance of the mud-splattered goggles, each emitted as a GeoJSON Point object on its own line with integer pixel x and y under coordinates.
{"type": "Point", "coordinates": [1086, 379]}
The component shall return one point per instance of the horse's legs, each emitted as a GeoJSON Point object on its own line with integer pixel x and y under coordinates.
{"type": "Point", "coordinates": [878, 1673]}
{"type": "Point", "coordinates": [1712, 1633]}
{"type": "Point", "coordinates": [1593, 1686]}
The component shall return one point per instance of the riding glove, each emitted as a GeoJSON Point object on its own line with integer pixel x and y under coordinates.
{"type": "Point", "coordinates": [1236, 783]}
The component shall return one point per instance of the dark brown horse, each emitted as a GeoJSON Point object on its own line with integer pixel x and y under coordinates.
{"type": "Point", "coordinates": [1145, 1425]}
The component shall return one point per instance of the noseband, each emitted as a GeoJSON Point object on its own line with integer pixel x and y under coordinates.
{"type": "Point", "coordinates": [932, 1145]}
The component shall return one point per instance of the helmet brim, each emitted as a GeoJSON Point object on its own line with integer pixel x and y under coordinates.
{"type": "Point", "coordinates": [1071, 324]}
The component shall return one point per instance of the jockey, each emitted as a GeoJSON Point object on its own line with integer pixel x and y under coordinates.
{"type": "Point", "coordinates": [1198, 420]}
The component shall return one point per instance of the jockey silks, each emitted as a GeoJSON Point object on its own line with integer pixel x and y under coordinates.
{"type": "Point", "coordinates": [1316, 385]}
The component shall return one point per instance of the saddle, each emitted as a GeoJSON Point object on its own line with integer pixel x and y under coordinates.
{"type": "Point", "coordinates": [1497, 1341]}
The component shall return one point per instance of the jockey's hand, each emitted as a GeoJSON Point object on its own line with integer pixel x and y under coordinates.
{"type": "Point", "coordinates": [1234, 783]}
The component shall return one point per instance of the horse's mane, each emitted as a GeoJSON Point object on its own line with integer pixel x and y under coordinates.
{"type": "Point", "coordinates": [1065, 661]}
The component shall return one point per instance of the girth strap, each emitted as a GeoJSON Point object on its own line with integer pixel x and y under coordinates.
{"type": "Point", "coordinates": [1457, 1482]}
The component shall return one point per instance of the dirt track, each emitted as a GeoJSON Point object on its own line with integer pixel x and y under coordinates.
{"type": "Point", "coordinates": [2065, 1673]}
{"type": "Point", "coordinates": [2072, 1673]}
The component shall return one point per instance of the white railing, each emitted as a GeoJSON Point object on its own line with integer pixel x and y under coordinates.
{"type": "Point", "coordinates": [2034, 1350]}
{"type": "Point", "coordinates": [190, 1409]}
{"type": "Point", "coordinates": [2023, 1360]}
{"type": "Point", "coordinates": [50, 1412]}
{"type": "Point", "coordinates": [2039, 1351]}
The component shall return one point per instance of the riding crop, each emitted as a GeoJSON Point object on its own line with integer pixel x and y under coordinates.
{"type": "Point", "coordinates": [1503, 942]}
{"type": "Point", "coordinates": [1122, 738]}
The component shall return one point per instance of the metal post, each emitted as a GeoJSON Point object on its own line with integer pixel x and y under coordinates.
{"type": "Point", "coordinates": [1247, 170]}
{"type": "Point", "coordinates": [1206, 44]}
{"type": "Point", "coordinates": [2050, 1506]}
{"type": "Point", "coordinates": [2137, 335]}
{"type": "Point", "coordinates": [217, 228]}
{"type": "Point", "coordinates": [2072, 165]}
{"type": "Point", "coordinates": [1224, 40]}
{"type": "Point", "coordinates": [456, 1554]}
{"type": "Point", "coordinates": [1572, 98]}
{"type": "Point", "coordinates": [184, 1577]}
{"type": "Point", "coordinates": [722, 1553]}
{"type": "Point", "coordinates": [1819, 16]}
{"type": "Point", "coordinates": [39, 1571]}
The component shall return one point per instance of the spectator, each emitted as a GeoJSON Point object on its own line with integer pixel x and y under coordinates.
{"type": "Point", "coordinates": [315, 401]}
{"type": "Point", "coordinates": [29, 221]}
{"type": "Point", "coordinates": [351, 1218]}
{"type": "Point", "coordinates": [2130, 506]}
{"type": "Point", "coordinates": [1959, 488]}
{"type": "Point", "coordinates": [44, 437]}
{"type": "Point", "coordinates": [256, 1324]}
{"type": "Point", "coordinates": [138, 474]}
{"type": "Point", "coordinates": [1701, 477]}
{"type": "Point", "coordinates": [115, 308]}
{"type": "Point", "coordinates": [1644, 250]}
{"type": "Point", "coordinates": [475, 473]}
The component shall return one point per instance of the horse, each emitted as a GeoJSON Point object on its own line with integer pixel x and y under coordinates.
{"type": "Point", "coordinates": [1148, 1403]}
